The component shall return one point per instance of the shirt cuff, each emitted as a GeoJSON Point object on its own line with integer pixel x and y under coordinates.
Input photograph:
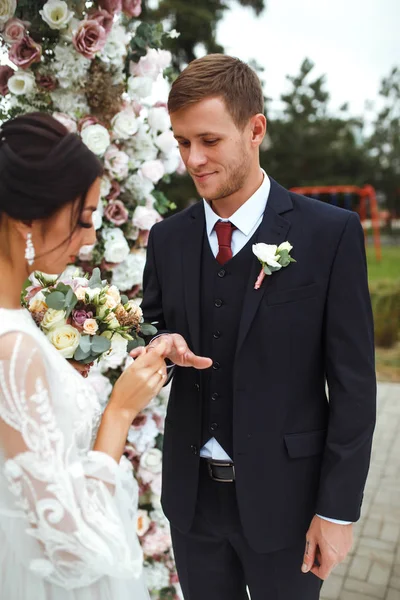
{"type": "Point", "coordinates": [337, 521]}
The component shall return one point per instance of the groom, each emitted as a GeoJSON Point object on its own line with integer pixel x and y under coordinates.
{"type": "Point", "coordinates": [263, 474]}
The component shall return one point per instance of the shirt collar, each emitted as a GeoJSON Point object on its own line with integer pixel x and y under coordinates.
{"type": "Point", "coordinates": [246, 217]}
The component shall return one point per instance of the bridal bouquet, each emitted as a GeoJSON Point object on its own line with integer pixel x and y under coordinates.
{"type": "Point", "coordinates": [85, 319]}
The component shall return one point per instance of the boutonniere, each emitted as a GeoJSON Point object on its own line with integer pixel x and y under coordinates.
{"type": "Point", "coordinates": [272, 258]}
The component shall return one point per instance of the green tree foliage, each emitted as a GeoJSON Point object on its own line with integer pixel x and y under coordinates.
{"type": "Point", "coordinates": [383, 145]}
{"type": "Point", "coordinates": [196, 22]}
{"type": "Point", "coordinates": [307, 144]}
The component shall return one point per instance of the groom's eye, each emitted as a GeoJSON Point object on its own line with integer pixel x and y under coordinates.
{"type": "Point", "coordinates": [211, 142]}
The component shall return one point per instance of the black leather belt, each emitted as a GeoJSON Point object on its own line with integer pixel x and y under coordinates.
{"type": "Point", "coordinates": [221, 470]}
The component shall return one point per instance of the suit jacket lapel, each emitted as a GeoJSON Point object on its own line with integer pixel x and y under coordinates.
{"type": "Point", "coordinates": [273, 230]}
{"type": "Point", "coordinates": [192, 243]}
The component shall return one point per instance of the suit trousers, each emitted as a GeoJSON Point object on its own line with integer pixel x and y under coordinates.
{"type": "Point", "coordinates": [215, 561]}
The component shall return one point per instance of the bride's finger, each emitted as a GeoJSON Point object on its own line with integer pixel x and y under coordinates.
{"type": "Point", "coordinates": [137, 351]}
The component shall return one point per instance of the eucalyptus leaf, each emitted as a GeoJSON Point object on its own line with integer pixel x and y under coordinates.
{"type": "Point", "coordinates": [147, 329]}
{"type": "Point", "coordinates": [56, 300]}
{"type": "Point", "coordinates": [285, 261]}
{"type": "Point", "coordinates": [85, 343]}
{"type": "Point", "coordinates": [135, 344]}
{"type": "Point", "coordinates": [80, 354]}
{"type": "Point", "coordinates": [267, 270]}
{"type": "Point", "coordinates": [124, 299]}
{"type": "Point", "coordinates": [100, 344]}
{"type": "Point", "coordinates": [95, 280]}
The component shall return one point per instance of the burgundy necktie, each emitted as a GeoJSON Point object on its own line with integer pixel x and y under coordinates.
{"type": "Point", "coordinates": [224, 231]}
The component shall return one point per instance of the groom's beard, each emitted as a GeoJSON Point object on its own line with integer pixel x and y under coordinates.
{"type": "Point", "coordinates": [236, 176]}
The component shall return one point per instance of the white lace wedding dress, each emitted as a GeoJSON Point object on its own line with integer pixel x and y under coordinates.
{"type": "Point", "coordinates": [67, 513]}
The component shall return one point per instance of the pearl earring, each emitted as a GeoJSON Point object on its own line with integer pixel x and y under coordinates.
{"type": "Point", "coordinates": [29, 250]}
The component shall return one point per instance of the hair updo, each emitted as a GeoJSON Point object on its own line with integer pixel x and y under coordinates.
{"type": "Point", "coordinates": [43, 167]}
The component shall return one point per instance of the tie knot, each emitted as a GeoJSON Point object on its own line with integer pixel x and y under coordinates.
{"type": "Point", "coordinates": [224, 230]}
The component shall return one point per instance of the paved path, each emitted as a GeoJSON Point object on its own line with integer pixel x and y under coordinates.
{"type": "Point", "coordinates": [372, 570]}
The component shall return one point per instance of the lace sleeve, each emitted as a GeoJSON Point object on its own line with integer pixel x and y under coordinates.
{"type": "Point", "coordinates": [76, 509]}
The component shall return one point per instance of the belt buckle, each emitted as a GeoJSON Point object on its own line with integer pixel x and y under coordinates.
{"type": "Point", "coordinates": [220, 463]}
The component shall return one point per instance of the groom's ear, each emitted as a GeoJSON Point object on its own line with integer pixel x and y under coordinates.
{"type": "Point", "coordinates": [258, 125]}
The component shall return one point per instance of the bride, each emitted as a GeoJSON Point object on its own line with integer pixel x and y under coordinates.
{"type": "Point", "coordinates": [67, 499]}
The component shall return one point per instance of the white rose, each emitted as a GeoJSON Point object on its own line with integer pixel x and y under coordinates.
{"type": "Point", "coordinates": [166, 142]}
{"type": "Point", "coordinates": [86, 252]}
{"type": "Point", "coordinates": [116, 248]}
{"type": "Point", "coordinates": [124, 124]}
{"type": "Point", "coordinates": [80, 292]}
{"type": "Point", "coordinates": [113, 297]}
{"type": "Point", "coordinates": [152, 460]}
{"type": "Point", "coordinates": [7, 10]}
{"type": "Point", "coordinates": [92, 292]}
{"type": "Point", "coordinates": [90, 326]}
{"type": "Point", "coordinates": [105, 186]}
{"type": "Point", "coordinates": [97, 216]}
{"type": "Point", "coordinates": [116, 355]}
{"type": "Point", "coordinates": [139, 186]}
{"type": "Point", "coordinates": [153, 170]}
{"type": "Point", "coordinates": [116, 162]}
{"type": "Point", "coordinates": [144, 218]}
{"type": "Point", "coordinates": [22, 83]}
{"type": "Point", "coordinates": [56, 14]}
{"type": "Point", "coordinates": [130, 273]}
{"type": "Point", "coordinates": [285, 246]}
{"type": "Point", "coordinates": [267, 253]}
{"type": "Point", "coordinates": [164, 59]}
{"type": "Point", "coordinates": [171, 163]}
{"type": "Point", "coordinates": [96, 138]}
{"type": "Point", "coordinates": [53, 318]}
{"type": "Point", "coordinates": [143, 522]}
{"type": "Point", "coordinates": [158, 119]}
{"type": "Point", "coordinates": [139, 87]}
{"type": "Point", "coordinates": [65, 339]}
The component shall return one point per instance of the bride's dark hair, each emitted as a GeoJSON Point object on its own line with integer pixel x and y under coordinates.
{"type": "Point", "coordinates": [42, 168]}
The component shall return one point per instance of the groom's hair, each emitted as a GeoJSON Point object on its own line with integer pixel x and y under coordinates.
{"type": "Point", "coordinates": [218, 75]}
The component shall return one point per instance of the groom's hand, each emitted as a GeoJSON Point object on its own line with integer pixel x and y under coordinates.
{"type": "Point", "coordinates": [179, 353]}
{"type": "Point", "coordinates": [327, 545]}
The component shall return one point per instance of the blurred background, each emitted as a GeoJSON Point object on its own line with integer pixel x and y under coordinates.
{"type": "Point", "coordinates": [331, 79]}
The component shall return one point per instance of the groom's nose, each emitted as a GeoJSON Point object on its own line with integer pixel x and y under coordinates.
{"type": "Point", "coordinates": [196, 157]}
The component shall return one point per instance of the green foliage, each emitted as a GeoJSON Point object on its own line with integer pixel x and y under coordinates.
{"type": "Point", "coordinates": [385, 298]}
{"type": "Point", "coordinates": [195, 21]}
{"type": "Point", "coordinates": [91, 347]}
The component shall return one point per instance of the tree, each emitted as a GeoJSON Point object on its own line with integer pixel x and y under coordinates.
{"type": "Point", "coordinates": [308, 145]}
{"type": "Point", "coordinates": [196, 23]}
{"type": "Point", "coordinates": [383, 145]}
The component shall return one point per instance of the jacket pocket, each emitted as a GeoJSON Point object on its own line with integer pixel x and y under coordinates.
{"type": "Point", "coordinates": [300, 293]}
{"type": "Point", "coordinates": [309, 443]}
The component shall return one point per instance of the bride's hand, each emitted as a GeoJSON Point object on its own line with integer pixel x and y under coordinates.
{"type": "Point", "coordinates": [82, 369]}
{"type": "Point", "coordinates": [140, 382]}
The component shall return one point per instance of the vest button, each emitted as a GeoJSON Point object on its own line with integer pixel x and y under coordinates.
{"type": "Point", "coordinates": [217, 335]}
{"type": "Point", "coordinates": [194, 450]}
{"type": "Point", "coordinates": [216, 366]}
{"type": "Point", "coordinates": [221, 273]}
{"type": "Point", "coordinates": [218, 303]}
{"type": "Point", "coordinates": [214, 426]}
{"type": "Point", "coordinates": [214, 396]}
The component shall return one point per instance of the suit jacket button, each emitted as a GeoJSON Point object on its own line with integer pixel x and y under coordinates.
{"type": "Point", "coordinates": [196, 385]}
{"type": "Point", "coordinates": [195, 450]}
{"type": "Point", "coordinates": [221, 273]}
{"type": "Point", "coordinates": [216, 366]}
{"type": "Point", "coordinates": [218, 303]}
{"type": "Point", "coordinates": [214, 426]}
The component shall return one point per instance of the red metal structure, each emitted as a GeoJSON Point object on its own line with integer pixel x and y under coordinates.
{"type": "Point", "coordinates": [366, 194]}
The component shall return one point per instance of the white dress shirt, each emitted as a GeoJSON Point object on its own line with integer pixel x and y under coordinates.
{"type": "Point", "coordinates": [246, 220]}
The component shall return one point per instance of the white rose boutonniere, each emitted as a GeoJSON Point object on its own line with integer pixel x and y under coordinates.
{"type": "Point", "coordinates": [272, 258]}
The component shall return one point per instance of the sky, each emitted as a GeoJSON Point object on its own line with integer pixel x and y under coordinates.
{"type": "Point", "coordinates": [354, 42]}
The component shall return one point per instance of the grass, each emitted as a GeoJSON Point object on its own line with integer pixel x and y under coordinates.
{"type": "Point", "coordinates": [387, 359]}
{"type": "Point", "coordinates": [388, 267]}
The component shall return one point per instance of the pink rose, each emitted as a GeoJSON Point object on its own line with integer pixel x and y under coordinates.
{"type": "Point", "coordinates": [116, 212]}
{"type": "Point", "coordinates": [86, 121]}
{"type": "Point", "coordinates": [132, 8]}
{"type": "Point", "coordinates": [111, 6]}
{"type": "Point", "coordinates": [104, 18]}
{"type": "Point", "coordinates": [116, 162]}
{"type": "Point", "coordinates": [25, 52]}
{"type": "Point", "coordinates": [46, 81]}
{"type": "Point", "coordinates": [114, 191]}
{"type": "Point", "coordinates": [5, 73]}
{"type": "Point", "coordinates": [152, 170]}
{"type": "Point", "coordinates": [14, 31]}
{"type": "Point", "coordinates": [67, 121]}
{"type": "Point", "coordinates": [156, 542]}
{"type": "Point", "coordinates": [80, 316]}
{"type": "Point", "coordinates": [145, 217]}
{"type": "Point", "coordinates": [89, 38]}
{"type": "Point", "coordinates": [148, 66]}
